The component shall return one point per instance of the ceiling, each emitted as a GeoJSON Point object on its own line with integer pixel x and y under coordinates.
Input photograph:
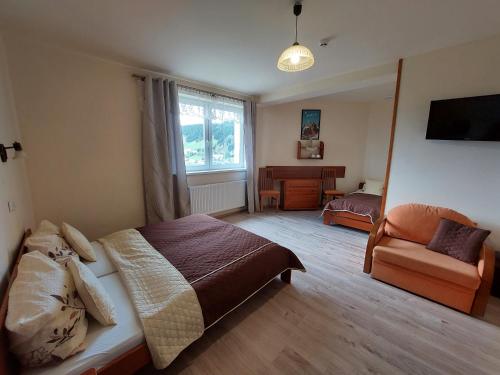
{"type": "Point", "coordinates": [366, 94]}
{"type": "Point", "coordinates": [234, 44]}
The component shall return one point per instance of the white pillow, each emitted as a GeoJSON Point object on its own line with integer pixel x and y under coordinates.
{"type": "Point", "coordinates": [373, 187]}
{"type": "Point", "coordinates": [94, 296]}
{"type": "Point", "coordinates": [103, 265]}
{"type": "Point", "coordinates": [45, 318]}
{"type": "Point", "coordinates": [79, 242]}
{"type": "Point", "coordinates": [48, 240]}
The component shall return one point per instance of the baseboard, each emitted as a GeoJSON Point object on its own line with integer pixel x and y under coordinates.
{"type": "Point", "coordinates": [232, 211]}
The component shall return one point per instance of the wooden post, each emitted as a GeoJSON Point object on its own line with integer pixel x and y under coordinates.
{"type": "Point", "coordinates": [391, 140]}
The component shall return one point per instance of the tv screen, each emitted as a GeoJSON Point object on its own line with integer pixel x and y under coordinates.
{"type": "Point", "coordinates": [471, 119]}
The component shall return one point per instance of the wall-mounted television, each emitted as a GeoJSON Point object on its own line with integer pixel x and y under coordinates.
{"type": "Point", "coordinates": [468, 119]}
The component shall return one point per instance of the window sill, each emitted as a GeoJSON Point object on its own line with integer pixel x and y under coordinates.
{"type": "Point", "coordinates": [216, 171]}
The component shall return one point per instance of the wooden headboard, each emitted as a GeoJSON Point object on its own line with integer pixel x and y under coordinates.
{"type": "Point", "coordinates": [8, 364]}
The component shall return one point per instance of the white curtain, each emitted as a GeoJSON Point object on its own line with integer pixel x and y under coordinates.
{"type": "Point", "coordinates": [166, 193]}
{"type": "Point", "coordinates": [250, 114]}
{"type": "Point", "coordinates": [217, 112]}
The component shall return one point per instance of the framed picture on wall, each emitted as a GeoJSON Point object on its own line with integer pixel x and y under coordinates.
{"type": "Point", "coordinates": [309, 127]}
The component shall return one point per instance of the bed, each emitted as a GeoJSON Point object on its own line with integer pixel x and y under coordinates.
{"type": "Point", "coordinates": [357, 210]}
{"type": "Point", "coordinates": [224, 264]}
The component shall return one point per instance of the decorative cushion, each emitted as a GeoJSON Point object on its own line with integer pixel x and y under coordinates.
{"type": "Point", "coordinates": [79, 242]}
{"type": "Point", "coordinates": [94, 296]}
{"type": "Point", "coordinates": [46, 318]}
{"type": "Point", "coordinates": [458, 241]}
{"type": "Point", "coordinates": [48, 240]}
{"type": "Point", "coordinates": [374, 187]}
{"type": "Point", "coordinates": [418, 222]}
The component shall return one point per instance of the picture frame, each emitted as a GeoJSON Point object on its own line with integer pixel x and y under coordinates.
{"type": "Point", "coordinates": [310, 124]}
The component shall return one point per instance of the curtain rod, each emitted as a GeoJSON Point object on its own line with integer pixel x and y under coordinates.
{"type": "Point", "coordinates": [142, 78]}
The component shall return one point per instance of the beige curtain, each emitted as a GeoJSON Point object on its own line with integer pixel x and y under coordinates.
{"type": "Point", "coordinates": [166, 193]}
{"type": "Point", "coordinates": [250, 113]}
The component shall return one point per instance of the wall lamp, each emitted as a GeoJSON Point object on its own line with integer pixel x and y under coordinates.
{"type": "Point", "coordinates": [3, 150]}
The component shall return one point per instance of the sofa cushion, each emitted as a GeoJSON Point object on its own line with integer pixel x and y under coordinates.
{"type": "Point", "coordinates": [458, 241]}
{"type": "Point", "coordinates": [415, 257]}
{"type": "Point", "coordinates": [418, 222]}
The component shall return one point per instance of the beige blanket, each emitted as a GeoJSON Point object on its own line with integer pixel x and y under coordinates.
{"type": "Point", "coordinates": [165, 302]}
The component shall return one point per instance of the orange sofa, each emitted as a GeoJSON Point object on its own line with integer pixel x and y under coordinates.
{"type": "Point", "coordinates": [396, 254]}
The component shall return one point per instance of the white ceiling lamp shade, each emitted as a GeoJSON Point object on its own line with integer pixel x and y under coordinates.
{"type": "Point", "coordinates": [296, 57]}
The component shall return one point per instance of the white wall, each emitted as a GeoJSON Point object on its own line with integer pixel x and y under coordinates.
{"type": "Point", "coordinates": [13, 179]}
{"type": "Point", "coordinates": [81, 124]}
{"type": "Point", "coordinates": [345, 126]}
{"type": "Point", "coordinates": [81, 119]}
{"type": "Point", "coordinates": [462, 175]}
{"type": "Point", "coordinates": [343, 130]}
{"type": "Point", "coordinates": [377, 139]}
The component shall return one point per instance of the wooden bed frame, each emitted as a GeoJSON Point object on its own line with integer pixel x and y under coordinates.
{"type": "Point", "coordinates": [347, 219]}
{"type": "Point", "coordinates": [125, 364]}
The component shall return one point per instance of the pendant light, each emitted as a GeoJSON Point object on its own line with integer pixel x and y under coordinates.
{"type": "Point", "coordinates": [296, 57]}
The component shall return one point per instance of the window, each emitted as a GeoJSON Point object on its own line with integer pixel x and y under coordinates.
{"type": "Point", "coordinates": [212, 131]}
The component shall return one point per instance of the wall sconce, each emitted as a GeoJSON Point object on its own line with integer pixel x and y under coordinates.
{"type": "Point", "coordinates": [3, 150]}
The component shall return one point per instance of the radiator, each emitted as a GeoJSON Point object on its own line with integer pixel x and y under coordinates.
{"type": "Point", "coordinates": [209, 199]}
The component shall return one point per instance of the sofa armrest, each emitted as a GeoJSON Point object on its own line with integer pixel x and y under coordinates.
{"type": "Point", "coordinates": [375, 235]}
{"type": "Point", "coordinates": [486, 269]}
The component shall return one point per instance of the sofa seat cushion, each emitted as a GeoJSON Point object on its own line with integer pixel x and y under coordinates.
{"type": "Point", "coordinates": [415, 257]}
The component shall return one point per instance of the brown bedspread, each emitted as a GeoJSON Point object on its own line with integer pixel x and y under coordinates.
{"type": "Point", "coordinates": [224, 264]}
{"type": "Point", "coordinates": [357, 203]}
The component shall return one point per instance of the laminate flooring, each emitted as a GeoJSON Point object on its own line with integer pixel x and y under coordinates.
{"type": "Point", "coordinates": [334, 319]}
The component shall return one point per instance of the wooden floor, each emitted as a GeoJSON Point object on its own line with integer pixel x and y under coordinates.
{"type": "Point", "coordinates": [335, 319]}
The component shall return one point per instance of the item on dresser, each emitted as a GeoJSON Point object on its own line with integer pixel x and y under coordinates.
{"type": "Point", "coordinates": [45, 318]}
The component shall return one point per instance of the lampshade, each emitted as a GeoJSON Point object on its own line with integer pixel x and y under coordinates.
{"type": "Point", "coordinates": [295, 59]}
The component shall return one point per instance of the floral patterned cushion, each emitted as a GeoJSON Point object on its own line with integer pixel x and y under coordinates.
{"type": "Point", "coordinates": [48, 240]}
{"type": "Point", "coordinates": [46, 317]}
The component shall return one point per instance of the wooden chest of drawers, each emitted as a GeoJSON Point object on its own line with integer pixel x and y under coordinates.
{"type": "Point", "coordinates": [300, 194]}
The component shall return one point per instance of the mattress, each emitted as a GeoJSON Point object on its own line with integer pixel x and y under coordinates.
{"type": "Point", "coordinates": [103, 343]}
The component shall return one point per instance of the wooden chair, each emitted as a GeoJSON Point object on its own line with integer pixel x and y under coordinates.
{"type": "Point", "coordinates": [266, 187]}
{"type": "Point", "coordinates": [329, 182]}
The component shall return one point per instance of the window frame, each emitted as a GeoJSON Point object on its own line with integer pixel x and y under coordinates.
{"type": "Point", "coordinates": [210, 166]}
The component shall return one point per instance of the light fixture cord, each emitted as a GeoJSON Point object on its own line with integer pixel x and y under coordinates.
{"type": "Point", "coordinates": [296, 21]}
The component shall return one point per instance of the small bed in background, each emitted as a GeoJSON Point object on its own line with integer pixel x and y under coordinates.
{"type": "Point", "coordinates": [359, 210]}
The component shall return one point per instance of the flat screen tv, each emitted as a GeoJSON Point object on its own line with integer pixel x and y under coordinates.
{"type": "Point", "coordinates": [468, 119]}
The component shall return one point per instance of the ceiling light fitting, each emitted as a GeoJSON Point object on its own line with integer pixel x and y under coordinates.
{"type": "Point", "coordinates": [296, 57]}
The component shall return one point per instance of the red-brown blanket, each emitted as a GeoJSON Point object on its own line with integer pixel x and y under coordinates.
{"type": "Point", "coordinates": [224, 264]}
{"type": "Point", "coordinates": [357, 203]}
